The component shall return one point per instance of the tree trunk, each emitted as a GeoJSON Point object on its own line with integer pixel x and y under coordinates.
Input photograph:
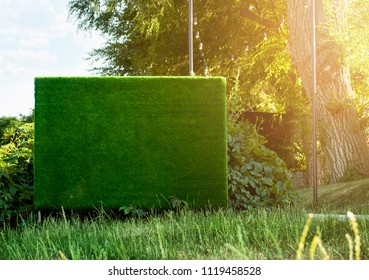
{"type": "Point", "coordinates": [342, 139]}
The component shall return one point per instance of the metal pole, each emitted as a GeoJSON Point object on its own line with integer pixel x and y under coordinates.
{"type": "Point", "coordinates": [190, 37]}
{"type": "Point", "coordinates": [315, 161]}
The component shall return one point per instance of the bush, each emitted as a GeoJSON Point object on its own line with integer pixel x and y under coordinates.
{"type": "Point", "coordinates": [16, 171]}
{"type": "Point", "coordinates": [257, 177]}
{"type": "Point", "coordinates": [4, 123]}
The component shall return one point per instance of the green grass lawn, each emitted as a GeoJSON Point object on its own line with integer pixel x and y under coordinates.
{"type": "Point", "coordinates": [221, 234]}
{"type": "Point", "coordinates": [338, 198]}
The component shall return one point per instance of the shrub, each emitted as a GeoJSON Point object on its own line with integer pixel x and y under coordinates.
{"type": "Point", "coordinates": [257, 177]}
{"type": "Point", "coordinates": [16, 171]}
{"type": "Point", "coordinates": [4, 123]}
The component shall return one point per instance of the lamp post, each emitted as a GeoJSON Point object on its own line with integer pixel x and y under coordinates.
{"type": "Point", "coordinates": [314, 93]}
{"type": "Point", "coordinates": [190, 37]}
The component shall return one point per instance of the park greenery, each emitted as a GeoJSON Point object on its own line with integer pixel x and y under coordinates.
{"type": "Point", "coordinates": [256, 42]}
{"type": "Point", "coordinates": [249, 43]}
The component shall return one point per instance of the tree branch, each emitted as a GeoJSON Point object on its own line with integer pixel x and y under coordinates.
{"type": "Point", "coordinates": [264, 22]}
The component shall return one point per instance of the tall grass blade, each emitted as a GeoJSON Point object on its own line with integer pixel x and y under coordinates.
{"type": "Point", "coordinates": [305, 231]}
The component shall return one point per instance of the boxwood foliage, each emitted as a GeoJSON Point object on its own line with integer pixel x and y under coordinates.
{"type": "Point", "coordinates": [16, 171]}
{"type": "Point", "coordinates": [121, 141]}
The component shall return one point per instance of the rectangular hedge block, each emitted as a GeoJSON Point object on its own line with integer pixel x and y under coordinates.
{"type": "Point", "coordinates": [121, 141]}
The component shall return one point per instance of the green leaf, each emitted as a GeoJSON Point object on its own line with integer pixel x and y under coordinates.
{"type": "Point", "coordinates": [126, 209]}
{"type": "Point", "coordinates": [13, 190]}
{"type": "Point", "coordinates": [245, 181]}
{"type": "Point", "coordinates": [253, 184]}
{"type": "Point", "coordinates": [268, 171]}
{"type": "Point", "coordinates": [246, 167]}
{"type": "Point", "coordinates": [3, 173]}
{"type": "Point", "coordinates": [267, 181]}
{"type": "Point", "coordinates": [258, 167]}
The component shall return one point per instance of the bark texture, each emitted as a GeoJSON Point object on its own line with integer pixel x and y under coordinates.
{"type": "Point", "coordinates": [342, 139]}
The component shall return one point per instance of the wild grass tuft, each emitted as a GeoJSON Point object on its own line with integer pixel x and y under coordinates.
{"type": "Point", "coordinates": [354, 245]}
{"type": "Point", "coordinates": [355, 229]}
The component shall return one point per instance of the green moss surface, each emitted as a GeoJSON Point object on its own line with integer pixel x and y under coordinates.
{"type": "Point", "coordinates": [120, 141]}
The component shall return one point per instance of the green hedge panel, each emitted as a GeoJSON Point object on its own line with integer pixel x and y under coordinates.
{"type": "Point", "coordinates": [121, 141]}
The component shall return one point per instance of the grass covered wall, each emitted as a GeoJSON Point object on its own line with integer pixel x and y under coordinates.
{"type": "Point", "coordinates": [121, 141]}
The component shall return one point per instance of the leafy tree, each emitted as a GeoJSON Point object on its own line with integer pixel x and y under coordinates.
{"type": "Point", "coordinates": [150, 38]}
{"type": "Point", "coordinates": [341, 136]}
{"type": "Point", "coordinates": [266, 41]}
{"type": "Point", "coordinates": [349, 28]}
